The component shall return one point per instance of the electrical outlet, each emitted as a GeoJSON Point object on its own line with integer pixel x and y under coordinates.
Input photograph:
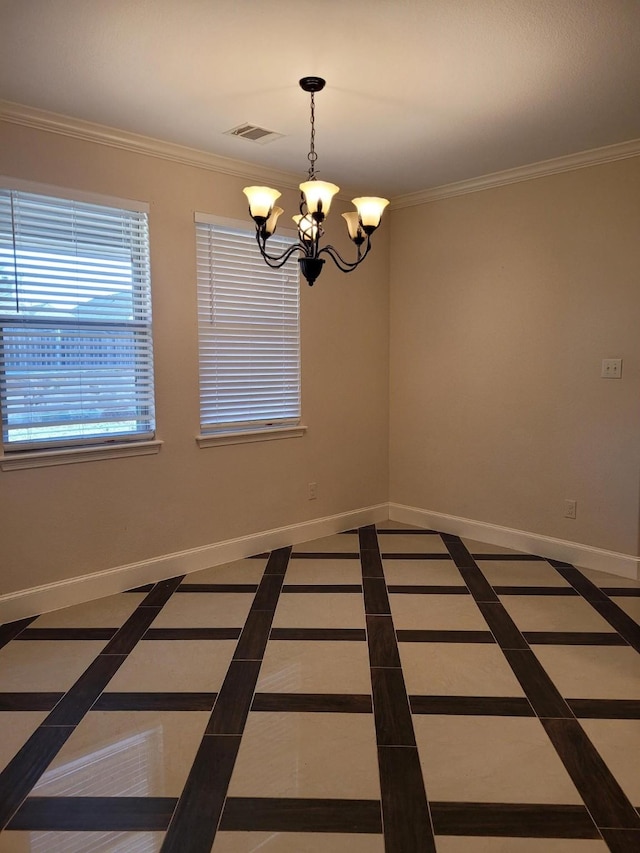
{"type": "Point", "coordinates": [312, 491]}
{"type": "Point", "coordinates": [611, 368]}
{"type": "Point", "coordinates": [570, 508]}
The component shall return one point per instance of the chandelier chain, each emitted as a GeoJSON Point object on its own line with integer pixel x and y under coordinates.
{"type": "Point", "coordinates": [312, 156]}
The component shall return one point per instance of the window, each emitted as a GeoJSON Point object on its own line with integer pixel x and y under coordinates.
{"type": "Point", "coordinates": [76, 363]}
{"type": "Point", "coordinates": [249, 333]}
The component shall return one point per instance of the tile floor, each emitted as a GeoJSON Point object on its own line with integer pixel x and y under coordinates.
{"type": "Point", "coordinates": [392, 690]}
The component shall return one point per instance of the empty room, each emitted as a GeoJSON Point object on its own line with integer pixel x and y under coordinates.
{"type": "Point", "coordinates": [320, 502]}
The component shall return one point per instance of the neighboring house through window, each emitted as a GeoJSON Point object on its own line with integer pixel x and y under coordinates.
{"type": "Point", "coordinates": [76, 361]}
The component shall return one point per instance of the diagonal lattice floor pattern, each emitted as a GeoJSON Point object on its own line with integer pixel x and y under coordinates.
{"type": "Point", "coordinates": [389, 689]}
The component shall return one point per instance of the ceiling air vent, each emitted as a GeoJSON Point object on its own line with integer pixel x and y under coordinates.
{"type": "Point", "coordinates": [254, 133]}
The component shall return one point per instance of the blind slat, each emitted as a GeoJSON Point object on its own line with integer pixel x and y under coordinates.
{"type": "Point", "coordinates": [75, 321]}
{"type": "Point", "coordinates": [249, 335]}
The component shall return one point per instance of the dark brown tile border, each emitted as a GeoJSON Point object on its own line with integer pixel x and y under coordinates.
{"type": "Point", "coordinates": [424, 589]}
{"type": "Point", "coordinates": [10, 630]}
{"type": "Point", "coordinates": [196, 817]}
{"type": "Point", "coordinates": [26, 767]}
{"type": "Point", "coordinates": [573, 638]}
{"type": "Point", "coordinates": [622, 840]}
{"type": "Point", "coordinates": [515, 821]}
{"type": "Point", "coordinates": [605, 709]}
{"type": "Point", "coordinates": [255, 636]}
{"type": "Point", "coordinates": [325, 555]}
{"type": "Point", "coordinates": [427, 555]}
{"type": "Point", "coordinates": [316, 703]}
{"type": "Point", "coordinates": [162, 592]}
{"type": "Point", "coordinates": [155, 702]}
{"type": "Point", "coordinates": [264, 814]}
{"type": "Point", "coordinates": [419, 635]}
{"type": "Point", "coordinates": [314, 634]}
{"type": "Point", "coordinates": [622, 591]}
{"type": "Point", "coordinates": [321, 588]}
{"type": "Point", "coordinates": [94, 814]}
{"type": "Point", "coordinates": [376, 600]}
{"type": "Point", "coordinates": [538, 687]}
{"type": "Point", "coordinates": [383, 646]}
{"type": "Point", "coordinates": [29, 701]}
{"type": "Point", "coordinates": [601, 793]}
{"type": "Point", "coordinates": [502, 625]}
{"type": "Point", "coordinates": [192, 634]}
{"type": "Point", "coordinates": [391, 708]}
{"type": "Point", "coordinates": [127, 637]}
{"type": "Point", "coordinates": [535, 590]}
{"type": "Point", "coordinates": [405, 812]}
{"type": "Point", "coordinates": [67, 634]}
{"type": "Point", "coordinates": [234, 700]}
{"type": "Point", "coordinates": [79, 698]}
{"type": "Point", "coordinates": [478, 706]}
{"type": "Point", "coordinates": [519, 558]}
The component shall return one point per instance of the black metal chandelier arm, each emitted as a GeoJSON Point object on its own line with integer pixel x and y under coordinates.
{"type": "Point", "coordinates": [276, 261]}
{"type": "Point", "coordinates": [345, 266]}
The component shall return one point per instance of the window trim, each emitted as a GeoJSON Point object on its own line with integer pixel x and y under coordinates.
{"type": "Point", "coordinates": [218, 435]}
{"type": "Point", "coordinates": [66, 451]}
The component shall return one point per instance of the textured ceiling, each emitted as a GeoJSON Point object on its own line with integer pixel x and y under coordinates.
{"type": "Point", "coordinates": [419, 93]}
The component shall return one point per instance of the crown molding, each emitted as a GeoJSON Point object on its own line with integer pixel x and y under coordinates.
{"type": "Point", "coordinates": [88, 131]}
{"type": "Point", "coordinates": [568, 163]}
{"type": "Point", "coordinates": [91, 132]}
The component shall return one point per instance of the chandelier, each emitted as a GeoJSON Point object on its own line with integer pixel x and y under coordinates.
{"type": "Point", "coordinates": [314, 206]}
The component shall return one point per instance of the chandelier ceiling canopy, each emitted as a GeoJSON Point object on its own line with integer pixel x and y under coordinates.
{"type": "Point", "coordinates": [316, 197]}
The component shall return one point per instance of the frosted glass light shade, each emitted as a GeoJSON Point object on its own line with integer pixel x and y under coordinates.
{"type": "Point", "coordinates": [370, 211]}
{"type": "Point", "coordinates": [261, 200]}
{"type": "Point", "coordinates": [353, 226]}
{"type": "Point", "coordinates": [318, 195]}
{"type": "Point", "coordinates": [307, 227]}
{"type": "Point", "coordinates": [270, 224]}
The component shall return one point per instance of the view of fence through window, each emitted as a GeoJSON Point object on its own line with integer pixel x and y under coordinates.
{"type": "Point", "coordinates": [75, 346]}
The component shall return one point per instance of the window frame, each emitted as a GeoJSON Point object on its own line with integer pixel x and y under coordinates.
{"type": "Point", "coordinates": [252, 430]}
{"type": "Point", "coordinates": [67, 449]}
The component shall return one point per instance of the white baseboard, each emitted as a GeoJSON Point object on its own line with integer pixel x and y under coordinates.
{"type": "Point", "coordinates": [585, 556]}
{"type": "Point", "coordinates": [52, 596]}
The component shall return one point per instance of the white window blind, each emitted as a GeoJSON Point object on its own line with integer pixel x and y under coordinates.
{"type": "Point", "coordinates": [76, 361]}
{"type": "Point", "coordinates": [249, 334]}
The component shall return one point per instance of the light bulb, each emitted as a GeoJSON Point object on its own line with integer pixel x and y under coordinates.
{"type": "Point", "coordinates": [318, 195]}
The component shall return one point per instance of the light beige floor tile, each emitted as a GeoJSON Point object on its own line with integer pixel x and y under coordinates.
{"type": "Point", "coordinates": [618, 742]}
{"type": "Point", "coordinates": [110, 612]}
{"type": "Point", "coordinates": [476, 547]}
{"type": "Point", "coordinates": [296, 842]}
{"type": "Point", "coordinates": [238, 571]}
{"type": "Point", "coordinates": [17, 727]}
{"type": "Point", "coordinates": [81, 842]}
{"type": "Point", "coordinates": [174, 665]}
{"type": "Point", "coordinates": [315, 667]}
{"type": "Point", "coordinates": [126, 754]}
{"type": "Point", "coordinates": [411, 543]}
{"type": "Point", "coordinates": [303, 571]}
{"type": "Point", "coordinates": [436, 612]}
{"type": "Point", "coordinates": [347, 543]}
{"type": "Point", "coordinates": [457, 669]}
{"type": "Point", "coordinates": [592, 672]}
{"type": "Point", "coordinates": [491, 759]}
{"type": "Point", "coordinates": [320, 610]}
{"type": "Point", "coordinates": [307, 755]}
{"type": "Point", "coordinates": [631, 606]}
{"type": "Point", "coordinates": [607, 579]}
{"type": "Point", "coordinates": [521, 573]}
{"type": "Point", "coordinates": [459, 844]}
{"type": "Point", "coordinates": [45, 665]}
{"type": "Point", "coordinates": [422, 572]}
{"type": "Point", "coordinates": [205, 610]}
{"type": "Point", "coordinates": [553, 613]}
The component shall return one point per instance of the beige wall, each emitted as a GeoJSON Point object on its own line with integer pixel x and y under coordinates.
{"type": "Point", "coordinates": [65, 521]}
{"type": "Point", "coordinates": [503, 304]}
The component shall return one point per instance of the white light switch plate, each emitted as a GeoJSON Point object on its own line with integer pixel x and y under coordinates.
{"type": "Point", "coordinates": [611, 368]}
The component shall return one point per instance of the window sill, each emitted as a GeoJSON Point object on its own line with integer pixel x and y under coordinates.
{"type": "Point", "coordinates": [216, 439]}
{"type": "Point", "coordinates": [71, 455]}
